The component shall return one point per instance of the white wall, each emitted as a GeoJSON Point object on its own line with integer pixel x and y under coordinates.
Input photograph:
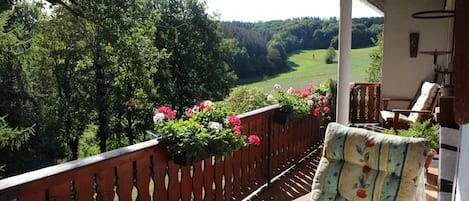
{"type": "Point", "coordinates": [402, 74]}
{"type": "Point", "coordinates": [462, 192]}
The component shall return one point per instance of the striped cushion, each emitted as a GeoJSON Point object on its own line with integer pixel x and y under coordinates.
{"type": "Point", "coordinates": [358, 164]}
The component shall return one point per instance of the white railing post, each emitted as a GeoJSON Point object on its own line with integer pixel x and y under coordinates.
{"type": "Point", "coordinates": [345, 45]}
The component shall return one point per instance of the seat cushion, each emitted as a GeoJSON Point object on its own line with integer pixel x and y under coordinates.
{"type": "Point", "coordinates": [389, 116]}
{"type": "Point", "coordinates": [427, 96]}
{"type": "Point", "coordinates": [358, 164]}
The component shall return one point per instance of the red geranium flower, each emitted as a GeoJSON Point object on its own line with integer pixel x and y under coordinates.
{"type": "Point", "coordinates": [316, 112]}
{"type": "Point", "coordinates": [361, 193]}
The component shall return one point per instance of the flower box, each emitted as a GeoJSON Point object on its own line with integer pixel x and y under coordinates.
{"type": "Point", "coordinates": [185, 160]}
{"type": "Point", "coordinates": [286, 117]}
{"type": "Point", "coordinates": [205, 130]}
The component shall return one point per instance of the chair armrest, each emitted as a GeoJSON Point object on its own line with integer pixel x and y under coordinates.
{"type": "Point", "coordinates": [387, 100]}
{"type": "Point", "coordinates": [395, 120]}
{"type": "Point", "coordinates": [409, 111]}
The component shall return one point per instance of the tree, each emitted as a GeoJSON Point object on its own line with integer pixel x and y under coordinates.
{"type": "Point", "coordinates": [197, 68]}
{"type": "Point", "coordinates": [331, 55]}
{"type": "Point", "coordinates": [70, 65]}
{"type": "Point", "coordinates": [376, 55]}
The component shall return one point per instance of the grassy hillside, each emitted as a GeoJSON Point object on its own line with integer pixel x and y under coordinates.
{"type": "Point", "coordinates": [307, 69]}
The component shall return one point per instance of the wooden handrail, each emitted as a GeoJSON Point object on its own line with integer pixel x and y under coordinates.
{"type": "Point", "coordinates": [145, 170]}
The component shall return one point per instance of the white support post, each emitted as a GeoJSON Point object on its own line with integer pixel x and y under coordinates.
{"type": "Point", "coordinates": [345, 45]}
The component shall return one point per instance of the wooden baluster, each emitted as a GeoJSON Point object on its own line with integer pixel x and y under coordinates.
{"type": "Point", "coordinates": [362, 103]}
{"type": "Point", "coordinates": [105, 184]}
{"type": "Point", "coordinates": [198, 181]}
{"type": "Point", "coordinates": [219, 170]}
{"type": "Point", "coordinates": [377, 102]}
{"type": "Point", "coordinates": [228, 176]}
{"type": "Point", "coordinates": [124, 181]}
{"type": "Point", "coordinates": [142, 177]}
{"type": "Point", "coordinates": [236, 173]}
{"type": "Point", "coordinates": [59, 192]}
{"type": "Point", "coordinates": [371, 98]}
{"type": "Point", "coordinates": [174, 187]}
{"type": "Point", "coordinates": [186, 183]}
{"type": "Point", "coordinates": [208, 179]}
{"type": "Point", "coordinates": [84, 187]}
{"type": "Point", "coordinates": [160, 169]}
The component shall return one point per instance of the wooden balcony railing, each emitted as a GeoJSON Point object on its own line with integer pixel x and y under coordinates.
{"type": "Point", "coordinates": [144, 172]}
{"type": "Point", "coordinates": [365, 103]}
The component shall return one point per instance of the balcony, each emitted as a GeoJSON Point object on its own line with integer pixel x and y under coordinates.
{"type": "Point", "coordinates": [144, 171]}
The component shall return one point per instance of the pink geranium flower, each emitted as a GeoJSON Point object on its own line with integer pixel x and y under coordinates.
{"type": "Point", "coordinates": [351, 85]}
{"type": "Point", "coordinates": [310, 102]}
{"type": "Point", "coordinates": [326, 109]}
{"type": "Point", "coordinates": [189, 112]}
{"type": "Point", "coordinates": [309, 88]}
{"type": "Point", "coordinates": [236, 130]}
{"type": "Point", "coordinates": [325, 101]}
{"type": "Point", "coordinates": [277, 86]}
{"type": "Point", "coordinates": [234, 120]}
{"type": "Point", "coordinates": [170, 114]}
{"type": "Point", "coordinates": [254, 139]}
{"type": "Point", "coordinates": [296, 91]}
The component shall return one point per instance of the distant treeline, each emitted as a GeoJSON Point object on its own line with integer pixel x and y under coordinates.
{"type": "Point", "coordinates": [263, 46]}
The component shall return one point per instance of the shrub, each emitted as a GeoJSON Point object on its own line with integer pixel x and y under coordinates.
{"type": "Point", "coordinates": [331, 55]}
{"type": "Point", "coordinates": [423, 130]}
{"type": "Point", "coordinates": [244, 99]}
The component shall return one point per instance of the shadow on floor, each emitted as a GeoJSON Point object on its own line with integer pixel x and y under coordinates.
{"type": "Point", "coordinates": [296, 183]}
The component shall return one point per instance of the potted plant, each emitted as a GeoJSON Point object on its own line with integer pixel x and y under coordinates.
{"type": "Point", "coordinates": [204, 130]}
{"type": "Point", "coordinates": [296, 103]}
{"type": "Point", "coordinates": [425, 130]}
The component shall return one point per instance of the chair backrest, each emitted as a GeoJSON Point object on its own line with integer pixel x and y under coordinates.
{"type": "Point", "coordinates": [426, 100]}
{"type": "Point", "coordinates": [358, 164]}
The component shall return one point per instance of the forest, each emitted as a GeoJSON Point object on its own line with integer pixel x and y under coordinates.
{"type": "Point", "coordinates": [82, 77]}
{"type": "Point", "coordinates": [263, 47]}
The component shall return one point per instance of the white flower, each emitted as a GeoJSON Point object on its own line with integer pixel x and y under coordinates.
{"type": "Point", "coordinates": [289, 90]}
{"type": "Point", "coordinates": [158, 118]}
{"type": "Point", "coordinates": [208, 103]}
{"type": "Point", "coordinates": [215, 125]}
{"type": "Point", "coordinates": [195, 109]}
{"type": "Point", "coordinates": [270, 97]}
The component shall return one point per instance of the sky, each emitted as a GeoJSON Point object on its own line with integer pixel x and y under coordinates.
{"type": "Point", "coordinates": [265, 10]}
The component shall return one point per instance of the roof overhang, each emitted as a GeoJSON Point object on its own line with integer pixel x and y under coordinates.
{"type": "Point", "coordinates": [377, 5]}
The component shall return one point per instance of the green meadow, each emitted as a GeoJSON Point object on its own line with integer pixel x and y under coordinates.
{"type": "Point", "coordinates": [309, 67]}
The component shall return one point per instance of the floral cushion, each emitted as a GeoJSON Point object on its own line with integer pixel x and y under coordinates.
{"type": "Point", "coordinates": [358, 164]}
